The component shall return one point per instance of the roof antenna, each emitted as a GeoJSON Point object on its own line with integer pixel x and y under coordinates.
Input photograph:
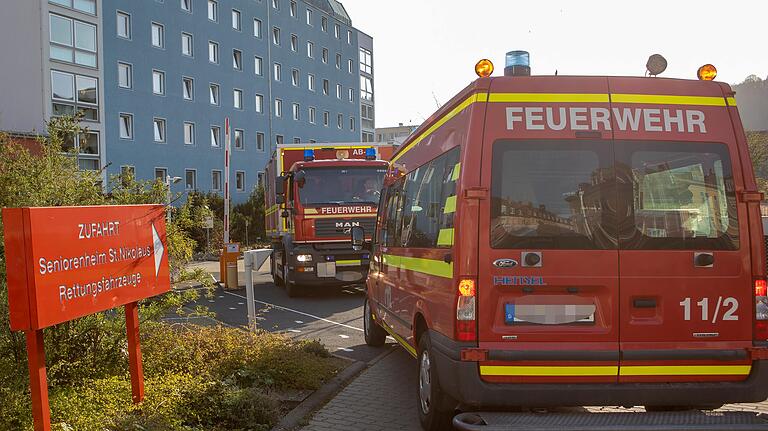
{"type": "Point", "coordinates": [555, 72]}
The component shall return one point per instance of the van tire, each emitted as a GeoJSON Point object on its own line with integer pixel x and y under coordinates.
{"type": "Point", "coordinates": [375, 335]}
{"type": "Point", "coordinates": [436, 409]}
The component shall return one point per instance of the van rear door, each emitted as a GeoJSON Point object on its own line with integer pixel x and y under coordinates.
{"type": "Point", "coordinates": [685, 301]}
{"type": "Point", "coordinates": [548, 285]}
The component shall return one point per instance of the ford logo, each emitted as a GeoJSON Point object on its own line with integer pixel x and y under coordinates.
{"type": "Point", "coordinates": [505, 263]}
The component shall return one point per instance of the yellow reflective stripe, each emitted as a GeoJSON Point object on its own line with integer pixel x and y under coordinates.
{"type": "Point", "coordinates": [437, 268]}
{"type": "Point", "coordinates": [450, 205]}
{"type": "Point", "coordinates": [684, 370]}
{"type": "Point", "coordinates": [349, 262]}
{"type": "Point", "coordinates": [310, 211]}
{"type": "Point", "coordinates": [445, 237]}
{"type": "Point", "coordinates": [548, 97]}
{"type": "Point", "coordinates": [731, 101]}
{"type": "Point", "coordinates": [504, 370]}
{"type": "Point", "coordinates": [477, 97]}
{"type": "Point", "coordinates": [400, 340]}
{"type": "Point", "coordinates": [272, 209]}
{"type": "Point", "coordinates": [456, 170]}
{"type": "Point", "coordinates": [659, 99]}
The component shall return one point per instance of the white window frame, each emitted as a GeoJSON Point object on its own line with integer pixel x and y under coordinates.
{"type": "Point", "coordinates": [162, 131]}
{"type": "Point", "coordinates": [260, 138]}
{"type": "Point", "coordinates": [160, 33]}
{"type": "Point", "coordinates": [194, 179]}
{"type": "Point", "coordinates": [257, 28]}
{"type": "Point", "coordinates": [128, 126]}
{"type": "Point", "coordinates": [164, 173]}
{"type": "Point", "coordinates": [276, 36]}
{"type": "Point", "coordinates": [349, 37]}
{"type": "Point", "coordinates": [215, 137]}
{"type": "Point", "coordinates": [338, 91]}
{"type": "Point", "coordinates": [258, 65]}
{"type": "Point", "coordinates": [238, 186]}
{"type": "Point", "coordinates": [192, 136]}
{"type": "Point", "coordinates": [237, 98]}
{"type": "Point", "coordinates": [237, 59]}
{"type": "Point", "coordinates": [277, 72]}
{"type": "Point", "coordinates": [242, 139]}
{"type": "Point", "coordinates": [337, 31]}
{"type": "Point", "coordinates": [259, 104]}
{"type": "Point", "coordinates": [278, 108]}
{"type": "Point", "coordinates": [213, 45]}
{"type": "Point", "coordinates": [161, 75]}
{"type": "Point", "coordinates": [184, 80]}
{"type": "Point", "coordinates": [295, 77]}
{"type": "Point", "coordinates": [187, 41]}
{"type": "Point", "coordinates": [312, 115]}
{"type": "Point", "coordinates": [186, 5]}
{"type": "Point", "coordinates": [294, 42]}
{"type": "Point", "coordinates": [311, 82]}
{"type": "Point", "coordinates": [296, 109]}
{"type": "Point", "coordinates": [237, 20]}
{"type": "Point", "coordinates": [129, 74]}
{"type": "Point", "coordinates": [309, 16]}
{"type": "Point", "coordinates": [214, 92]}
{"type": "Point", "coordinates": [214, 186]}
{"type": "Point", "coordinates": [127, 17]}
{"type": "Point", "coordinates": [293, 9]}
{"type": "Point", "coordinates": [310, 49]}
{"type": "Point", "coordinates": [213, 11]}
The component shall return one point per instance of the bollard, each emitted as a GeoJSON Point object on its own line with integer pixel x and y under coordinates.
{"type": "Point", "coordinates": [248, 260]}
{"type": "Point", "coordinates": [231, 281]}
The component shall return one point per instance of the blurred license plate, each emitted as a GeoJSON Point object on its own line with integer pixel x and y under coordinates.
{"type": "Point", "coordinates": [326, 269]}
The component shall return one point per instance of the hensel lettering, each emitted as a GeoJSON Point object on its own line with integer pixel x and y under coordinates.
{"type": "Point", "coordinates": [518, 280]}
{"type": "Point", "coordinates": [347, 210]}
{"type": "Point", "coordinates": [599, 119]}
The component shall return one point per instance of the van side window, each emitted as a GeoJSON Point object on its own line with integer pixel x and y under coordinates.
{"type": "Point", "coordinates": [391, 233]}
{"type": "Point", "coordinates": [681, 196]}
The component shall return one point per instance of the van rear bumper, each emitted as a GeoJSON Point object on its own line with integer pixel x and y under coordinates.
{"type": "Point", "coordinates": [461, 380]}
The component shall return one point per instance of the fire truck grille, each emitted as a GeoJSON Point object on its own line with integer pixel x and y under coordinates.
{"type": "Point", "coordinates": [326, 228]}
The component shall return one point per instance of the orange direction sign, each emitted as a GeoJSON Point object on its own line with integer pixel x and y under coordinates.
{"type": "Point", "coordinates": [68, 262]}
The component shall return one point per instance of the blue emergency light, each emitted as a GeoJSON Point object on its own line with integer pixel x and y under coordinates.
{"type": "Point", "coordinates": [309, 155]}
{"type": "Point", "coordinates": [370, 154]}
{"type": "Point", "coordinates": [518, 63]}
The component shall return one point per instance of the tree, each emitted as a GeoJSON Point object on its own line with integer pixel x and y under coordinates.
{"type": "Point", "coordinates": [758, 151]}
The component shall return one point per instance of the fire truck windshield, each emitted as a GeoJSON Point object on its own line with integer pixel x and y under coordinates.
{"type": "Point", "coordinates": [337, 185]}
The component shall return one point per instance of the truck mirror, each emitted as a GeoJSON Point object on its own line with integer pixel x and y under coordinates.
{"type": "Point", "coordinates": [279, 199]}
{"type": "Point", "coordinates": [285, 214]}
{"type": "Point", "coordinates": [280, 185]}
{"type": "Point", "coordinates": [300, 177]}
{"type": "Point", "coordinates": [358, 237]}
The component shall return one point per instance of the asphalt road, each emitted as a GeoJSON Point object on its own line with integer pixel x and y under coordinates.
{"type": "Point", "coordinates": [334, 316]}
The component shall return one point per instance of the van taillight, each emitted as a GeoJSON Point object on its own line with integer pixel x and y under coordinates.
{"type": "Point", "coordinates": [466, 321]}
{"type": "Point", "coordinates": [761, 310]}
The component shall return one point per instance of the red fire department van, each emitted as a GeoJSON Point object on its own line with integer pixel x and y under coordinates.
{"type": "Point", "coordinates": [574, 240]}
{"type": "Point", "coordinates": [315, 193]}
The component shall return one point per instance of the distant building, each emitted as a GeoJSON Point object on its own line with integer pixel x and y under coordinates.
{"type": "Point", "coordinates": [394, 135]}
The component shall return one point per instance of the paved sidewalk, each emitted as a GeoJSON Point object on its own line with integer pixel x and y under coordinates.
{"type": "Point", "coordinates": [383, 398]}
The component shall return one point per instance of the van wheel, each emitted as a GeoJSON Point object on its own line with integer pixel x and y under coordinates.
{"type": "Point", "coordinates": [273, 268]}
{"type": "Point", "coordinates": [436, 408]}
{"type": "Point", "coordinates": [375, 335]}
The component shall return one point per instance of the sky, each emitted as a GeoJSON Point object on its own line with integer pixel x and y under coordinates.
{"type": "Point", "coordinates": [425, 50]}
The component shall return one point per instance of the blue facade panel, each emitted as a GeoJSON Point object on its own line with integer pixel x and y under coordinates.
{"type": "Point", "coordinates": [145, 154]}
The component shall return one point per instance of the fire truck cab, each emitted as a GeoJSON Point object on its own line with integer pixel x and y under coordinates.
{"type": "Point", "coordinates": [574, 240]}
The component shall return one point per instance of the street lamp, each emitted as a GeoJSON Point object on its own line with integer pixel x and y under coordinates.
{"type": "Point", "coordinates": [168, 181]}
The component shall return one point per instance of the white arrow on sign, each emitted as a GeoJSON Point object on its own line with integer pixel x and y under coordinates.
{"type": "Point", "coordinates": [159, 249]}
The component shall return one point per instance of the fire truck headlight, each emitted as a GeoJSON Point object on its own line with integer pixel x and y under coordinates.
{"type": "Point", "coordinates": [707, 72]}
{"type": "Point", "coordinates": [656, 64]}
{"type": "Point", "coordinates": [484, 68]}
{"type": "Point", "coordinates": [304, 258]}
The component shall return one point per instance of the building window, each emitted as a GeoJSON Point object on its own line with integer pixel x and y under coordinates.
{"type": "Point", "coordinates": [349, 37]}
{"type": "Point", "coordinates": [190, 176]}
{"type": "Point", "coordinates": [158, 125]}
{"type": "Point", "coordinates": [295, 77]}
{"type": "Point", "coordinates": [72, 41]}
{"type": "Point", "coordinates": [213, 52]}
{"type": "Point", "coordinates": [336, 31]}
{"type": "Point", "coordinates": [161, 174]}
{"type": "Point", "coordinates": [239, 140]}
{"type": "Point", "coordinates": [214, 94]}
{"type": "Point", "coordinates": [351, 94]}
{"type": "Point", "coordinates": [276, 4]}
{"type": "Point", "coordinates": [350, 66]}
{"type": "Point", "coordinates": [259, 103]}
{"type": "Point", "coordinates": [237, 59]}
{"type": "Point", "coordinates": [326, 87]}
{"type": "Point", "coordinates": [158, 35]}
{"type": "Point", "coordinates": [325, 55]}
{"type": "Point", "coordinates": [276, 36]}
{"type": "Point", "coordinates": [324, 23]}
{"type": "Point", "coordinates": [278, 108]}
{"type": "Point", "coordinates": [237, 98]}
{"type": "Point", "coordinates": [158, 83]}
{"type": "Point", "coordinates": [188, 88]}
{"type": "Point", "coordinates": [279, 139]}
{"type": "Point", "coordinates": [340, 121]}
{"type": "Point", "coordinates": [186, 5]}
{"type": "Point", "coordinates": [260, 177]}
{"type": "Point", "coordinates": [296, 140]}
{"type": "Point", "coordinates": [326, 118]}
{"type": "Point", "coordinates": [367, 117]}
{"type": "Point", "coordinates": [213, 10]}
{"type": "Point", "coordinates": [294, 43]}
{"type": "Point", "coordinates": [311, 82]}
{"type": "Point", "coordinates": [260, 141]}
{"type": "Point", "coordinates": [293, 9]}
{"type": "Point", "coordinates": [338, 91]}
{"type": "Point", "coordinates": [309, 16]}
{"type": "Point", "coordinates": [240, 181]}
{"type": "Point", "coordinates": [257, 66]}
{"type": "Point", "coordinates": [257, 28]}
{"type": "Point", "coordinates": [312, 115]}
{"type": "Point", "coordinates": [278, 69]}
{"type": "Point", "coordinates": [215, 136]}
{"type": "Point", "coordinates": [124, 75]}
{"type": "Point", "coordinates": [296, 112]}
{"type": "Point", "coordinates": [338, 61]}
{"type": "Point", "coordinates": [74, 93]}
{"type": "Point", "coordinates": [123, 25]}
{"type": "Point", "coordinates": [189, 133]}
{"type": "Point", "coordinates": [310, 49]}
{"type": "Point", "coordinates": [126, 126]}
{"type": "Point", "coordinates": [186, 45]}
{"type": "Point", "coordinates": [366, 61]}
{"type": "Point", "coordinates": [236, 22]}
{"type": "Point", "coordinates": [87, 6]}
{"type": "Point", "coordinates": [216, 180]}
{"type": "Point", "coordinates": [366, 88]}
{"type": "Point", "coordinates": [352, 123]}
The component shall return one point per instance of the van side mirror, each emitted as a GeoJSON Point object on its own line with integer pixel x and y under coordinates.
{"type": "Point", "coordinates": [300, 178]}
{"type": "Point", "coordinates": [357, 235]}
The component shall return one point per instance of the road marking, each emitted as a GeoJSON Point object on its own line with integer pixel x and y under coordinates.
{"type": "Point", "coordinates": [296, 331]}
{"type": "Point", "coordinates": [233, 308]}
{"type": "Point", "coordinates": [279, 307]}
{"type": "Point", "coordinates": [343, 336]}
{"type": "Point", "coordinates": [241, 303]}
{"type": "Point", "coordinates": [344, 349]}
{"type": "Point", "coordinates": [298, 322]}
{"type": "Point", "coordinates": [211, 300]}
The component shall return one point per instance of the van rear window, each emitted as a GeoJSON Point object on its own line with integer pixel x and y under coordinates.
{"type": "Point", "coordinates": [573, 195]}
{"type": "Point", "coordinates": [552, 194]}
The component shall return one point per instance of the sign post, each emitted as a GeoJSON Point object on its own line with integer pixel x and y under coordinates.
{"type": "Point", "coordinates": [70, 262]}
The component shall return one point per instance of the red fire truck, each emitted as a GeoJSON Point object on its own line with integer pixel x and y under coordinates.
{"type": "Point", "coordinates": [574, 240]}
{"type": "Point", "coordinates": [314, 194]}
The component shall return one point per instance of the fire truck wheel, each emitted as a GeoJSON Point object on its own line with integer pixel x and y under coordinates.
{"type": "Point", "coordinates": [290, 288]}
{"type": "Point", "coordinates": [436, 409]}
{"type": "Point", "coordinates": [375, 335]}
{"type": "Point", "coordinates": [276, 278]}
